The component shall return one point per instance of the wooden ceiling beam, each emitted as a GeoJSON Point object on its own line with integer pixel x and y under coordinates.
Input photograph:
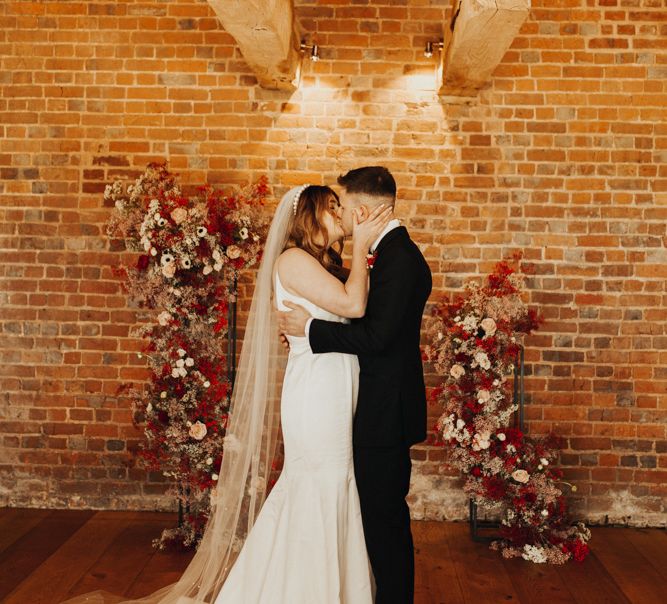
{"type": "Point", "coordinates": [476, 40]}
{"type": "Point", "coordinates": [268, 38]}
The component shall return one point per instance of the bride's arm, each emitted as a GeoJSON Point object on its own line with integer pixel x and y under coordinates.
{"type": "Point", "coordinates": [304, 276]}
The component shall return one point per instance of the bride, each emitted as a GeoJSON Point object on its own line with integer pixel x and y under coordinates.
{"type": "Point", "coordinates": [304, 543]}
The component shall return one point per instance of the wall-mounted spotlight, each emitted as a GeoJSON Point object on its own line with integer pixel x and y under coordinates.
{"type": "Point", "coordinates": [314, 51]}
{"type": "Point", "coordinates": [431, 46]}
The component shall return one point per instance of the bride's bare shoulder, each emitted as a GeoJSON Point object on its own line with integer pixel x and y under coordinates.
{"type": "Point", "coordinates": [295, 258]}
{"type": "Point", "coordinates": [298, 270]}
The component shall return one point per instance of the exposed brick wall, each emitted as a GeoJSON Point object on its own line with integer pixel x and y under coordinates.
{"type": "Point", "coordinates": [564, 156]}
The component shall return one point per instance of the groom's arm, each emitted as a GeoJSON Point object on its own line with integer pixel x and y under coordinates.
{"type": "Point", "coordinates": [388, 301]}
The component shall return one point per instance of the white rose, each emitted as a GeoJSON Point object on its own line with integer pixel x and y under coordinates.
{"type": "Point", "coordinates": [209, 460]}
{"type": "Point", "coordinates": [153, 252]}
{"type": "Point", "coordinates": [482, 360]}
{"type": "Point", "coordinates": [163, 318]}
{"type": "Point", "coordinates": [163, 394]}
{"type": "Point", "coordinates": [181, 352]}
{"type": "Point", "coordinates": [198, 430]}
{"type": "Point", "coordinates": [180, 363]}
{"type": "Point", "coordinates": [175, 372]}
{"type": "Point", "coordinates": [481, 441]}
{"type": "Point", "coordinates": [544, 461]}
{"type": "Point", "coordinates": [233, 252]}
{"type": "Point", "coordinates": [207, 384]}
{"type": "Point", "coordinates": [207, 269]}
{"type": "Point", "coordinates": [216, 254]}
{"type": "Point", "coordinates": [460, 424]}
{"type": "Point", "coordinates": [179, 215]}
{"type": "Point", "coordinates": [214, 476]}
{"type": "Point", "coordinates": [457, 371]}
{"type": "Point", "coordinates": [501, 436]}
{"type": "Point", "coordinates": [489, 326]}
{"type": "Point", "coordinates": [189, 361]}
{"type": "Point", "coordinates": [521, 476]}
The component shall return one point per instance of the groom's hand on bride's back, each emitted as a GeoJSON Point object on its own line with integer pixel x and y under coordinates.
{"type": "Point", "coordinates": [293, 322]}
{"type": "Point", "coordinates": [283, 340]}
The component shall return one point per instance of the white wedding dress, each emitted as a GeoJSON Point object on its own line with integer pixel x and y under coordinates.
{"type": "Point", "coordinates": [307, 545]}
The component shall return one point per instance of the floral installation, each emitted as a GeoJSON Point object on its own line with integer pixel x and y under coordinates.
{"type": "Point", "coordinates": [474, 343]}
{"type": "Point", "coordinates": [191, 250]}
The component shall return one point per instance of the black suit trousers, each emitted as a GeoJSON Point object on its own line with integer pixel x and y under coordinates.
{"type": "Point", "coordinates": [383, 481]}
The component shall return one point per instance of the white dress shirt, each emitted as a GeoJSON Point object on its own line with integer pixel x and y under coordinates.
{"type": "Point", "coordinates": [391, 225]}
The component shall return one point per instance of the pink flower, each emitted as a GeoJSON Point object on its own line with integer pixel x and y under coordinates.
{"type": "Point", "coordinates": [198, 430]}
{"type": "Point", "coordinates": [179, 215]}
{"type": "Point", "coordinates": [483, 396]}
{"type": "Point", "coordinates": [169, 270]}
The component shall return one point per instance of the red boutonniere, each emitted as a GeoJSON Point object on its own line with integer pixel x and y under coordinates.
{"type": "Point", "coordinates": [370, 259]}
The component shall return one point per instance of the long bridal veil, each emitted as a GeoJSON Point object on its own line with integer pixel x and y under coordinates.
{"type": "Point", "coordinates": [249, 445]}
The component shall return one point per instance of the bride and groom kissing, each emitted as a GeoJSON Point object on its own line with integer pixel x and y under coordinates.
{"type": "Point", "coordinates": [353, 402]}
{"type": "Point", "coordinates": [335, 528]}
{"type": "Point", "coordinates": [349, 399]}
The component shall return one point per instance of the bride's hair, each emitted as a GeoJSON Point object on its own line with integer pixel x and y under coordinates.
{"type": "Point", "coordinates": [308, 232]}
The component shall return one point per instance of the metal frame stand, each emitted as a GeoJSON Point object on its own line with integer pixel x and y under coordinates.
{"type": "Point", "coordinates": [518, 422]}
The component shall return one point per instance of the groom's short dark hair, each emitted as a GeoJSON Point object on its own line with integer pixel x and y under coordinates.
{"type": "Point", "coordinates": [376, 181]}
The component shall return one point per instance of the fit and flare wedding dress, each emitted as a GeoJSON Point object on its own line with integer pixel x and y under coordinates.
{"type": "Point", "coordinates": [307, 545]}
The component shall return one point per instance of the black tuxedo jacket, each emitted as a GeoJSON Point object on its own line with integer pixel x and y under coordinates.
{"type": "Point", "coordinates": [391, 407]}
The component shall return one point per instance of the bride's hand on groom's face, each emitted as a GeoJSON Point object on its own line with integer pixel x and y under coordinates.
{"type": "Point", "coordinates": [367, 230]}
{"type": "Point", "coordinates": [293, 323]}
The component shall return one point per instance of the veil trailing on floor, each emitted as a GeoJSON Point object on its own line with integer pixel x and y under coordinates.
{"type": "Point", "coordinates": [249, 446]}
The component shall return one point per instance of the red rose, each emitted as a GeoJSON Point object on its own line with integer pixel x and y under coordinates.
{"type": "Point", "coordinates": [142, 262]}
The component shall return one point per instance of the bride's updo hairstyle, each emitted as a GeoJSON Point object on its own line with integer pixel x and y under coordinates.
{"type": "Point", "coordinates": [308, 232]}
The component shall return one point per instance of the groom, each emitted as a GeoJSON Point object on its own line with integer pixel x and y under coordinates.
{"type": "Point", "coordinates": [391, 405]}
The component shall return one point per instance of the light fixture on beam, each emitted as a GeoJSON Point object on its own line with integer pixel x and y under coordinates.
{"type": "Point", "coordinates": [431, 47]}
{"type": "Point", "coordinates": [314, 51]}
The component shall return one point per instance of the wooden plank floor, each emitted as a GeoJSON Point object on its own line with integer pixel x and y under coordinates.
{"type": "Point", "coordinates": [47, 556]}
